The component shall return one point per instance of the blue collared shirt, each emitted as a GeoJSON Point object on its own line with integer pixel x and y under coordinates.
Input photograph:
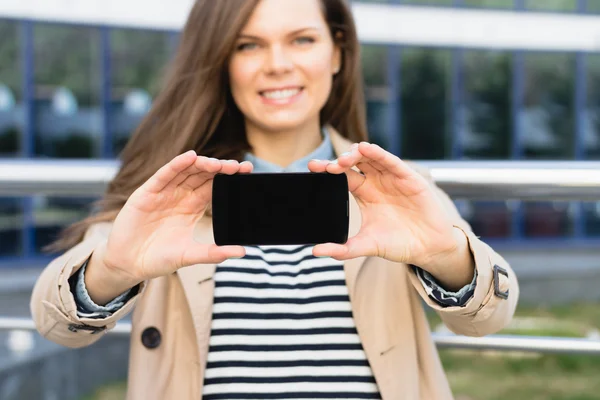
{"type": "Point", "coordinates": [323, 152]}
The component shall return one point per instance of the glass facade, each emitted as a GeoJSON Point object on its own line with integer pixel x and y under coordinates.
{"type": "Point", "coordinates": [424, 94]}
{"type": "Point", "coordinates": [72, 91]}
{"type": "Point", "coordinates": [137, 60]}
{"type": "Point", "coordinates": [67, 115]}
{"type": "Point", "coordinates": [12, 126]}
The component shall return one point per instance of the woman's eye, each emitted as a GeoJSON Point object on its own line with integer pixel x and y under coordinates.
{"type": "Point", "coordinates": [246, 46]}
{"type": "Point", "coordinates": [304, 40]}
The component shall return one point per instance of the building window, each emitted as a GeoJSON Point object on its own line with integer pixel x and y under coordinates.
{"type": "Point", "coordinates": [488, 219]}
{"type": "Point", "coordinates": [67, 114]}
{"type": "Point", "coordinates": [591, 212]}
{"type": "Point", "coordinates": [548, 219]}
{"type": "Point", "coordinates": [138, 60]}
{"type": "Point", "coordinates": [591, 115]}
{"type": "Point", "coordinates": [591, 136]}
{"type": "Point", "coordinates": [11, 227]}
{"type": "Point", "coordinates": [547, 117]}
{"type": "Point", "coordinates": [485, 113]}
{"type": "Point", "coordinates": [548, 128]}
{"type": "Point", "coordinates": [11, 99]}
{"type": "Point", "coordinates": [377, 91]}
{"type": "Point", "coordinates": [425, 103]}
{"type": "Point", "coordinates": [11, 129]}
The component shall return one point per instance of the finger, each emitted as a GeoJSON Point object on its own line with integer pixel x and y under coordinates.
{"type": "Point", "coordinates": [218, 254]}
{"type": "Point", "coordinates": [230, 167]}
{"type": "Point", "coordinates": [349, 158]}
{"type": "Point", "coordinates": [345, 161]}
{"type": "Point", "coordinates": [318, 166]}
{"type": "Point", "coordinates": [181, 177]}
{"type": "Point", "coordinates": [169, 171]}
{"type": "Point", "coordinates": [352, 159]}
{"type": "Point", "coordinates": [385, 159]}
{"type": "Point", "coordinates": [246, 167]}
{"type": "Point", "coordinates": [353, 248]}
{"type": "Point", "coordinates": [203, 169]}
{"type": "Point", "coordinates": [367, 167]}
{"type": "Point", "coordinates": [195, 181]}
{"type": "Point", "coordinates": [211, 253]}
{"type": "Point", "coordinates": [355, 180]}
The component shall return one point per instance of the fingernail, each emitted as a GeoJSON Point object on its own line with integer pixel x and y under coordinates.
{"type": "Point", "coordinates": [333, 162]}
{"type": "Point", "coordinates": [346, 154]}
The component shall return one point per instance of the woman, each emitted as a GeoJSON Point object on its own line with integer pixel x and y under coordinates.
{"type": "Point", "coordinates": [268, 85]}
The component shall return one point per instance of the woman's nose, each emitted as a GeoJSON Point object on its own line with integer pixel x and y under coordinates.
{"type": "Point", "coordinates": [278, 61]}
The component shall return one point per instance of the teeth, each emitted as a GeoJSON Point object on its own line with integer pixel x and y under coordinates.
{"type": "Point", "coordinates": [281, 94]}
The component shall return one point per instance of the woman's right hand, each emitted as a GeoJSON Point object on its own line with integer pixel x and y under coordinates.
{"type": "Point", "coordinates": [153, 234]}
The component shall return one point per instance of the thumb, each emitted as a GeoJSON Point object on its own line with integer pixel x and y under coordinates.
{"type": "Point", "coordinates": [353, 248]}
{"type": "Point", "coordinates": [211, 254]}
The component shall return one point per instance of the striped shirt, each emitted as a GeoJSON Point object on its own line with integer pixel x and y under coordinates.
{"type": "Point", "coordinates": [282, 328]}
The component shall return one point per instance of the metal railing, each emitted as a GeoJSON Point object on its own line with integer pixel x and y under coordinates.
{"type": "Point", "coordinates": [494, 180]}
{"type": "Point", "coordinates": [519, 343]}
{"type": "Point", "coordinates": [469, 179]}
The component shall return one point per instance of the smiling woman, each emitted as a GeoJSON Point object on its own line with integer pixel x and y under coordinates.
{"type": "Point", "coordinates": [271, 86]}
{"type": "Point", "coordinates": [281, 76]}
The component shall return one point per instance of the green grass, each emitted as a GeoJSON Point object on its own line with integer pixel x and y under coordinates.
{"type": "Point", "coordinates": [490, 375]}
{"type": "Point", "coordinates": [548, 377]}
{"type": "Point", "coordinates": [115, 391]}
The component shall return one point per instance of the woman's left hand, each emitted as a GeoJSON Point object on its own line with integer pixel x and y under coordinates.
{"type": "Point", "coordinates": [402, 218]}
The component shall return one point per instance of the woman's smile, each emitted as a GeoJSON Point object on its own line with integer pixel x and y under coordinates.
{"type": "Point", "coordinates": [282, 96]}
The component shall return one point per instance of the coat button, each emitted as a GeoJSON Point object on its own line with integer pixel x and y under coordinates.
{"type": "Point", "coordinates": [151, 338]}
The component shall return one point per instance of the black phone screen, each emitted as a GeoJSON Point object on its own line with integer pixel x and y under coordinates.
{"type": "Point", "coordinates": [280, 208]}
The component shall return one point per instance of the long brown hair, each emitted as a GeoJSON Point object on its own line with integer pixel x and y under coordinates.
{"type": "Point", "coordinates": [195, 109]}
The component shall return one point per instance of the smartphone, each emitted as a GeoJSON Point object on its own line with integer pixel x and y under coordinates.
{"type": "Point", "coordinates": [280, 209]}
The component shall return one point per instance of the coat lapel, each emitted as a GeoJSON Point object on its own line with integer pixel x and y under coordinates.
{"type": "Point", "coordinates": [198, 286]}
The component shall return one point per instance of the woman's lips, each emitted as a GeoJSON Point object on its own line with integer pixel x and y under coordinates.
{"type": "Point", "coordinates": [281, 96]}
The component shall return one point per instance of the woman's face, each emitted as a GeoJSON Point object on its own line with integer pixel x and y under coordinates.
{"type": "Point", "coordinates": [283, 64]}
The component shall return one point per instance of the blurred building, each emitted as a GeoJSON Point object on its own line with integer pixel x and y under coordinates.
{"type": "Point", "coordinates": [445, 79]}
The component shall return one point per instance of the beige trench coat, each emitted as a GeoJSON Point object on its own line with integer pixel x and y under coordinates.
{"type": "Point", "coordinates": [386, 300]}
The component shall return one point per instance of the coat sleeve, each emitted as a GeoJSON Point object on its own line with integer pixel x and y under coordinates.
{"type": "Point", "coordinates": [494, 300]}
{"type": "Point", "coordinates": [53, 305]}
